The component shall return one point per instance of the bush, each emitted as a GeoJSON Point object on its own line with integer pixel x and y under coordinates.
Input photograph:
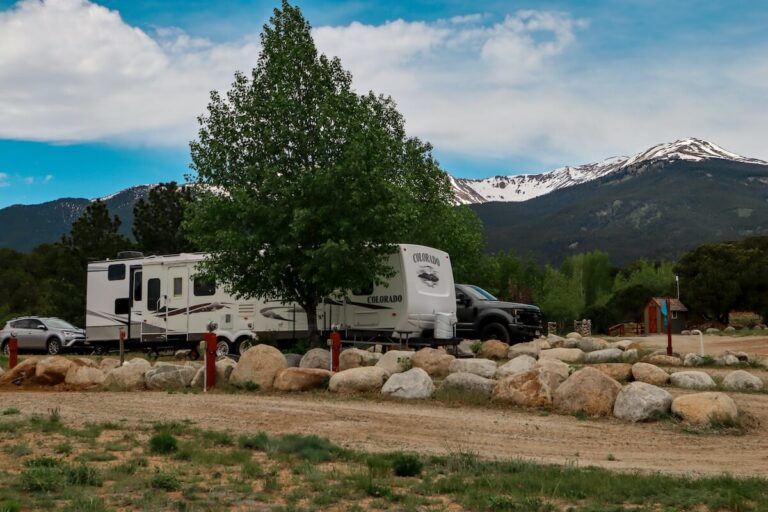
{"type": "Point", "coordinates": [258, 442]}
{"type": "Point", "coordinates": [163, 443]}
{"type": "Point", "coordinates": [164, 481]}
{"type": "Point", "coordinates": [407, 464]}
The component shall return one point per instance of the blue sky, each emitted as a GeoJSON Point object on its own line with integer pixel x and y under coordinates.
{"type": "Point", "coordinates": [95, 97]}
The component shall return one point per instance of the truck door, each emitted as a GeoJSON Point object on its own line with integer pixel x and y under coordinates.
{"type": "Point", "coordinates": [177, 287]}
{"type": "Point", "coordinates": [464, 311]}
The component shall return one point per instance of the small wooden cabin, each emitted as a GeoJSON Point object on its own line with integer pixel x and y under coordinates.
{"type": "Point", "coordinates": [654, 321]}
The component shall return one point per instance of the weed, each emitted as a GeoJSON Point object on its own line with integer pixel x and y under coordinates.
{"type": "Point", "coordinates": [217, 438]}
{"type": "Point", "coordinates": [407, 464]}
{"type": "Point", "coordinates": [310, 448]}
{"type": "Point", "coordinates": [10, 411]}
{"type": "Point", "coordinates": [82, 474]}
{"type": "Point", "coordinates": [18, 450]}
{"type": "Point", "coordinates": [462, 396]}
{"type": "Point", "coordinates": [581, 415]}
{"type": "Point", "coordinates": [257, 442]}
{"type": "Point", "coordinates": [251, 386]}
{"type": "Point", "coordinates": [95, 457]}
{"type": "Point", "coordinates": [165, 481]}
{"type": "Point", "coordinates": [10, 506]}
{"type": "Point", "coordinates": [163, 443]}
{"type": "Point", "coordinates": [271, 482]}
{"type": "Point", "coordinates": [610, 457]}
{"type": "Point", "coordinates": [475, 347]}
{"type": "Point", "coordinates": [86, 504]}
{"type": "Point", "coordinates": [64, 448]}
{"type": "Point", "coordinates": [252, 470]}
{"type": "Point", "coordinates": [42, 462]}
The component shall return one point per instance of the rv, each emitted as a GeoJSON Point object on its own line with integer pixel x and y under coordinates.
{"type": "Point", "coordinates": [167, 305]}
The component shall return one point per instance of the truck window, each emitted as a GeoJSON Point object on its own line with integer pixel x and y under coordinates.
{"type": "Point", "coordinates": [153, 294]}
{"type": "Point", "coordinates": [116, 272]}
{"type": "Point", "coordinates": [203, 287]}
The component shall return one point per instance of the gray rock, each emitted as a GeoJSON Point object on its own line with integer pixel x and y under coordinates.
{"type": "Point", "coordinates": [358, 380]}
{"type": "Point", "coordinates": [591, 344]}
{"type": "Point", "coordinates": [356, 358]}
{"type": "Point", "coordinates": [730, 329]}
{"type": "Point", "coordinates": [742, 380]}
{"type": "Point", "coordinates": [730, 360]}
{"type": "Point", "coordinates": [520, 364]}
{"type": "Point", "coordinates": [130, 376]}
{"type": "Point", "coordinates": [556, 366]}
{"type": "Point", "coordinates": [316, 358]}
{"type": "Point", "coordinates": [567, 355]}
{"type": "Point", "coordinates": [639, 401]}
{"type": "Point", "coordinates": [712, 330]}
{"type": "Point", "coordinates": [293, 360]}
{"type": "Point", "coordinates": [482, 367]}
{"type": "Point", "coordinates": [631, 355]}
{"type": "Point", "coordinates": [412, 384]}
{"type": "Point", "coordinates": [531, 349]}
{"type": "Point", "coordinates": [692, 359]}
{"type": "Point", "coordinates": [468, 382]}
{"type": "Point", "coordinates": [464, 348]}
{"type": "Point", "coordinates": [396, 361]}
{"type": "Point", "coordinates": [692, 380]}
{"type": "Point", "coordinates": [169, 377]}
{"type": "Point", "coordinates": [606, 355]}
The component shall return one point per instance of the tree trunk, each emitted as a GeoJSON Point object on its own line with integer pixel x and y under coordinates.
{"type": "Point", "coordinates": [310, 307]}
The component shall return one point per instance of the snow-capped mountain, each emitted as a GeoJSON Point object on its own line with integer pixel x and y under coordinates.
{"type": "Point", "coordinates": [522, 187]}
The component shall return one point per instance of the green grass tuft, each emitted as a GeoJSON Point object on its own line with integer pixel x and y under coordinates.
{"type": "Point", "coordinates": [407, 464]}
{"type": "Point", "coordinates": [163, 443]}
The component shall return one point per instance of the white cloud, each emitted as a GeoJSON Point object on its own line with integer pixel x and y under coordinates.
{"type": "Point", "coordinates": [3, 179]}
{"type": "Point", "coordinates": [476, 85]}
{"type": "Point", "coordinates": [29, 180]}
{"type": "Point", "coordinates": [48, 178]}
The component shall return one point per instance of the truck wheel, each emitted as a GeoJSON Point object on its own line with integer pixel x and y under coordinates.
{"type": "Point", "coordinates": [494, 331]}
{"type": "Point", "coordinates": [53, 346]}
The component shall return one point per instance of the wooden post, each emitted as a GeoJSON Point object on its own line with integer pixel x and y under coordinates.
{"type": "Point", "coordinates": [122, 347]}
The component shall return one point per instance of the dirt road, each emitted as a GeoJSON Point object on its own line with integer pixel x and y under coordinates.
{"type": "Point", "coordinates": [713, 345]}
{"type": "Point", "coordinates": [433, 427]}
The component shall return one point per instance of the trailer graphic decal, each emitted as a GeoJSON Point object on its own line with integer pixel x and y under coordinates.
{"type": "Point", "coordinates": [428, 275]}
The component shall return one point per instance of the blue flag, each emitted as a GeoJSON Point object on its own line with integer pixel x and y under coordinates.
{"type": "Point", "coordinates": [664, 308]}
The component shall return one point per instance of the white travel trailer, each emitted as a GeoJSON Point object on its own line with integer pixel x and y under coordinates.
{"type": "Point", "coordinates": [167, 305]}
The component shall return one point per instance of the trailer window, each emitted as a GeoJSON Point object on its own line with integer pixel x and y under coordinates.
{"type": "Point", "coordinates": [177, 286]}
{"type": "Point", "coordinates": [137, 287]}
{"type": "Point", "coordinates": [153, 294]}
{"type": "Point", "coordinates": [203, 287]}
{"type": "Point", "coordinates": [122, 306]}
{"type": "Point", "coordinates": [116, 272]}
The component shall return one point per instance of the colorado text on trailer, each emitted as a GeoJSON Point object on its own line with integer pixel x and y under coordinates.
{"type": "Point", "coordinates": [166, 304]}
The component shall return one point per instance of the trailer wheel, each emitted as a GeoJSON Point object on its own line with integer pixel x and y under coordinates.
{"type": "Point", "coordinates": [494, 331]}
{"type": "Point", "coordinates": [222, 348]}
{"type": "Point", "coordinates": [243, 344]}
{"type": "Point", "coordinates": [194, 355]}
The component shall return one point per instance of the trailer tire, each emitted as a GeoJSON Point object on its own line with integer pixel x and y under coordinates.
{"type": "Point", "coordinates": [194, 355]}
{"type": "Point", "coordinates": [243, 344]}
{"type": "Point", "coordinates": [494, 331]}
{"type": "Point", "coordinates": [53, 346]}
{"type": "Point", "coordinates": [222, 348]}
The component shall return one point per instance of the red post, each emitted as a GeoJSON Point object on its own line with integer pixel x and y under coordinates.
{"type": "Point", "coordinates": [13, 352]}
{"type": "Point", "coordinates": [669, 329]}
{"type": "Point", "coordinates": [335, 350]}
{"type": "Point", "coordinates": [210, 360]}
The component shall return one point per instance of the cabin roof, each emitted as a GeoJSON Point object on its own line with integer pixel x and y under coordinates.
{"type": "Point", "coordinates": [674, 304]}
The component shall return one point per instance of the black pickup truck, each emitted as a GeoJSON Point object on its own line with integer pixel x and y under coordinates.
{"type": "Point", "coordinates": [482, 316]}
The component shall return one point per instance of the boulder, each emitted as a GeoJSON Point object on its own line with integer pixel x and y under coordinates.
{"type": "Point", "coordinates": [316, 358]}
{"type": "Point", "coordinates": [517, 365]}
{"type": "Point", "coordinates": [743, 357]}
{"type": "Point", "coordinates": [531, 348]}
{"type": "Point", "coordinates": [587, 390]}
{"type": "Point", "coordinates": [606, 355]}
{"type": "Point", "coordinates": [22, 373]}
{"type": "Point", "coordinates": [640, 401]}
{"type": "Point", "coordinates": [631, 355]}
{"type": "Point", "coordinates": [224, 368]}
{"type": "Point", "coordinates": [84, 375]}
{"type": "Point", "coordinates": [685, 332]}
{"type": "Point", "coordinates": [128, 377]}
{"type": "Point", "coordinates": [482, 367]}
{"type": "Point", "coordinates": [692, 359]}
{"type": "Point", "coordinates": [728, 360]}
{"type": "Point", "coordinates": [293, 360]}
{"type": "Point", "coordinates": [741, 380]}
{"type": "Point", "coordinates": [573, 336]}
{"type": "Point", "coordinates": [729, 330]}
{"type": "Point", "coordinates": [259, 365]}
{"type": "Point", "coordinates": [396, 361]}
{"type": "Point", "coordinates": [108, 363]}
{"type": "Point", "coordinates": [412, 384]}
{"type": "Point", "coordinates": [356, 358]}
{"type": "Point", "coordinates": [617, 371]}
{"type": "Point", "coordinates": [663, 360]}
{"type": "Point", "coordinates": [301, 379]}
{"type": "Point", "coordinates": [468, 383]}
{"type": "Point", "coordinates": [433, 361]}
{"type": "Point", "coordinates": [493, 349]}
{"type": "Point", "coordinates": [52, 370]}
{"type": "Point", "coordinates": [169, 377]}
{"type": "Point", "coordinates": [567, 355]}
{"type": "Point", "coordinates": [534, 388]}
{"type": "Point", "coordinates": [591, 344]}
{"type": "Point", "coordinates": [543, 343]}
{"type": "Point", "coordinates": [555, 341]}
{"type": "Point", "coordinates": [646, 372]}
{"type": "Point", "coordinates": [704, 408]}
{"type": "Point", "coordinates": [555, 365]}
{"type": "Point", "coordinates": [358, 380]}
{"type": "Point", "coordinates": [692, 380]}
{"type": "Point", "coordinates": [712, 330]}
{"type": "Point", "coordinates": [464, 348]}
{"type": "Point", "coordinates": [623, 344]}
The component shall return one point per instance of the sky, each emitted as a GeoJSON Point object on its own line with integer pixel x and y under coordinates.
{"type": "Point", "coordinates": [99, 96]}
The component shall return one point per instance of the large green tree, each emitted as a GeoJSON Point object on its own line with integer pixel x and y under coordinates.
{"type": "Point", "coordinates": [157, 222]}
{"type": "Point", "coordinates": [303, 185]}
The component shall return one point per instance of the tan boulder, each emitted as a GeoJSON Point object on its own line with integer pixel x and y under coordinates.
{"type": "Point", "coordinates": [319, 358]}
{"type": "Point", "coordinates": [482, 367]}
{"type": "Point", "coordinates": [705, 408]}
{"type": "Point", "coordinates": [52, 370]}
{"type": "Point", "coordinates": [128, 377]}
{"type": "Point", "coordinates": [567, 355]}
{"type": "Point", "coordinates": [22, 373]}
{"type": "Point", "coordinates": [433, 361]}
{"type": "Point", "coordinates": [587, 390]}
{"type": "Point", "coordinates": [396, 361]}
{"type": "Point", "coordinates": [81, 375]}
{"type": "Point", "coordinates": [356, 358]}
{"type": "Point", "coordinates": [259, 365]}
{"type": "Point", "coordinates": [493, 349]}
{"type": "Point", "coordinates": [521, 364]}
{"type": "Point", "coordinates": [358, 380]}
{"type": "Point", "coordinates": [555, 365]}
{"type": "Point", "coordinates": [573, 336]}
{"type": "Point", "coordinates": [108, 363]}
{"type": "Point", "coordinates": [301, 379]}
{"type": "Point", "coordinates": [663, 360]}
{"type": "Point", "coordinates": [534, 388]}
{"type": "Point", "coordinates": [530, 348]}
{"type": "Point", "coordinates": [616, 371]}
{"type": "Point", "coordinates": [646, 372]}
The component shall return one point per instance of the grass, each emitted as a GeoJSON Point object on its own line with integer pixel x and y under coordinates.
{"type": "Point", "coordinates": [214, 470]}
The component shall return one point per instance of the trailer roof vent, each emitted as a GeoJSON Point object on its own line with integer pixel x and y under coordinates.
{"type": "Point", "coordinates": [126, 255]}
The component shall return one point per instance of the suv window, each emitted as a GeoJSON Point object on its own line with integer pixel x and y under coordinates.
{"type": "Point", "coordinates": [19, 324]}
{"type": "Point", "coordinates": [35, 324]}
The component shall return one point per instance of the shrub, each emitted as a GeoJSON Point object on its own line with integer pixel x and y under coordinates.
{"type": "Point", "coordinates": [407, 464]}
{"type": "Point", "coordinates": [165, 481]}
{"type": "Point", "coordinates": [163, 443]}
{"type": "Point", "coordinates": [258, 442]}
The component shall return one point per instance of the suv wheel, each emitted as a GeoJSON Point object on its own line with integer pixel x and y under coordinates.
{"type": "Point", "coordinates": [53, 346]}
{"type": "Point", "coordinates": [494, 331]}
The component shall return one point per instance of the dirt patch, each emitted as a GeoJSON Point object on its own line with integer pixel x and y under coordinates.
{"type": "Point", "coordinates": [430, 427]}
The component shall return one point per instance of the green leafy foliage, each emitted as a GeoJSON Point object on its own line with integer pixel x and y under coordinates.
{"type": "Point", "coordinates": [407, 464]}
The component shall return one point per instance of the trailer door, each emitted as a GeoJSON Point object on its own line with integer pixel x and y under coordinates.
{"type": "Point", "coordinates": [177, 288]}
